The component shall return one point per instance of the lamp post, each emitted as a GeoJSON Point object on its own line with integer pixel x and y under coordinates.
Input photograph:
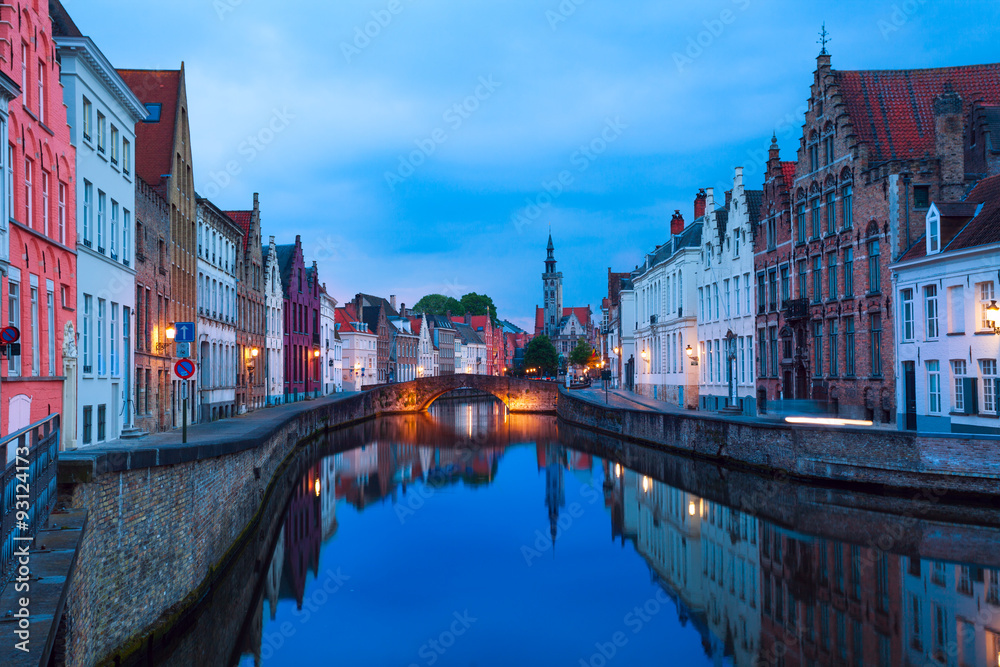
{"type": "Point", "coordinates": [730, 367]}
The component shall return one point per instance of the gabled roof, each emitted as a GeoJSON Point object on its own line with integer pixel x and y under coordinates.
{"type": "Point", "coordinates": [978, 215]}
{"type": "Point", "coordinates": [62, 24]}
{"type": "Point", "coordinates": [242, 220]}
{"type": "Point", "coordinates": [788, 173]}
{"type": "Point", "coordinates": [286, 253]}
{"type": "Point", "coordinates": [754, 198]}
{"type": "Point", "coordinates": [468, 334]}
{"type": "Point", "coordinates": [893, 110]}
{"type": "Point", "coordinates": [154, 152]}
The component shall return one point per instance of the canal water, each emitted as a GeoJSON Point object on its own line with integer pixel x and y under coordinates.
{"type": "Point", "coordinates": [468, 536]}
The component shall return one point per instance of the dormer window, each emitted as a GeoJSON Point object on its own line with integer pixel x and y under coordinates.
{"type": "Point", "coordinates": [933, 230]}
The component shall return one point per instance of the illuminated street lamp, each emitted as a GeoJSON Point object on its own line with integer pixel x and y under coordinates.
{"type": "Point", "coordinates": [992, 315]}
{"type": "Point", "coordinates": [171, 332]}
{"type": "Point", "coordinates": [690, 353]}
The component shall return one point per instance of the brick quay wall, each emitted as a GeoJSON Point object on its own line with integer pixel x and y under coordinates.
{"type": "Point", "coordinates": [883, 460]}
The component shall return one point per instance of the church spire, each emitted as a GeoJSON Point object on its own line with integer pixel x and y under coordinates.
{"type": "Point", "coordinates": [550, 259]}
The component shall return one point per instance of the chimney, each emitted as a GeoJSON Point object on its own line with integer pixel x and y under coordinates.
{"type": "Point", "coordinates": [676, 224]}
{"type": "Point", "coordinates": [402, 309]}
{"type": "Point", "coordinates": [949, 145]}
{"type": "Point", "coordinates": [256, 203]}
{"type": "Point", "coordinates": [738, 182]}
{"type": "Point", "coordinates": [699, 204]}
{"type": "Point", "coordinates": [270, 239]}
{"type": "Point", "coordinates": [708, 203]}
{"type": "Point", "coordinates": [447, 314]}
{"type": "Point", "coordinates": [468, 318]}
{"type": "Point", "coordinates": [392, 301]}
{"type": "Point", "coordinates": [774, 158]}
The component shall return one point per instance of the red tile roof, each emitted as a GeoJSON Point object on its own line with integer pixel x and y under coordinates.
{"type": "Point", "coordinates": [154, 141]}
{"type": "Point", "coordinates": [582, 313]}
{"type": "Point", "coordinates": [981, 229]}
{"type": "Point", "coordinates": [242, 220]}
{"type": "Point", "coordinates": [788, 172]}
{"type": "Point", "coordinates": [893, 110]}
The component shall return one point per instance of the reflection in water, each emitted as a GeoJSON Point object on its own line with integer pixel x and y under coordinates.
{"type": "Point", "coordinates": [439, 523]}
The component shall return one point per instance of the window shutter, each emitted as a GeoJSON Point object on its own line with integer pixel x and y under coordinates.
{"type": "Point", "coordinates": [971, 395]}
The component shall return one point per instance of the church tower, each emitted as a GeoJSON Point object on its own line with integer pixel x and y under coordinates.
{"type": "Point", "coordinates": [553, 296]}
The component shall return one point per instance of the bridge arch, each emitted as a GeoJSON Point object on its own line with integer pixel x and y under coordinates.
{"type": "Point", "coordinates": [418, 395]}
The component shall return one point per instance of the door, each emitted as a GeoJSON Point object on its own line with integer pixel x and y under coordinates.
{"type": "Point", "coordinates": [910, 395]}
{"type": "Point", "coordinates": [786, 384]}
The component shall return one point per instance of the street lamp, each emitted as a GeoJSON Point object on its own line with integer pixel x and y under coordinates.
{"type": "Point", "coordinates": [992, 314]}
{"type": "Point", "coordinates": [690, 353]}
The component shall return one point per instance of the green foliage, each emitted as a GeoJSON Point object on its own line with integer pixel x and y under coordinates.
{"type": "Point", "coordinates": [541, 354]}
{"type": "Point", "coordinates": [438, 304]}
{"type": "Point", "coordinates": [581, 354]}
{"type": "Point", "coordinates": [476, 304]}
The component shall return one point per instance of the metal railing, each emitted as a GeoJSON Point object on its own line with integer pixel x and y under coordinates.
{"type": "Point", "coordinates": [29, 487]}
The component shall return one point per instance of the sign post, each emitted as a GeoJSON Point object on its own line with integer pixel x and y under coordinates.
{"type": "Point", "coordinates": [184, 369]}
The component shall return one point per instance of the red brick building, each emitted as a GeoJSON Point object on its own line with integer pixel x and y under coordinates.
{"type": "Point", "coordinates": [780, 327]}
{"type": "Point", "coordinates": [825, 602]}
{"type": "Point", "coordinates": [251, 392]}
{"type": "Point", "coordinates": [876, 148]}
{"type": "Point", "coordinates": [40, 282]}
{"type": "Point", "coordinates": [153, 358]}
{"type": "Point", "coordinates": [301, 340]}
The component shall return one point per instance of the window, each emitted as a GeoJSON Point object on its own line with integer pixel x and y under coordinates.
{"type": "Point", "coordinates": [36, 360]}
{"type": "Point", "coordinates": [85, 332]}
{"type": "Point", "coordinates": [785, 286]}
{"type": "Point", "coordinates": [50, 307]}
{"type": "Point", "coordinates": [101, 129]}
{"type": "Point", "coordinates": [813, 157]}
{"type": "Point", "coordinates": [153, 112]}
{"type": "Point", "coordinates": [815, 218]}
{"type": "Point", "coordinates": [817, 275]}
{"type": "Point", "coordinates": [126, 237]}
{"type": "Point", "coordinates": [818, 348]}
{"type": "Point", "coordinates": [828, 145]}
{"type": "Point", "coordinates": [849, 346]}
{"type": "Point", "coordinates": [989, 371]}
{"type": "Point", "coordinates": [931, 312]}
{"type": "Point", "coordinates": [62, 213]}
{"type": "Point", "coordinates": [113, 238]}
{"type": "Point", "coordinates": [933, 232]}
{"type": "Point", "coordinates": [876, 344]}
{"type": "Point", "coordinates": [114, 145]}
{"type": "Point", "coordinates": [746, 282]}
{"type": "Point", "coordinates": [906, 306]}
{"type": "Point", "coordinates": [834, 352]}
{"type": "Point", "coordinates": [831, 214]}
{"type": "Point", "coordinates": [958, 373]}
{"type": "Point", "coordinates": [45, 202]}
{"type": "Point", "coordinates": [762, 352]}
{"type": "Point", "coordinates": [102, 418]}
{"type": "Point", "coordinates": [933, 387]}
{"type": "Point", "coordinates": [772, 279]}
{"type": "Point", "coordinates": [846, 200]}
{"type": "Point", "coordinates": [921, 196]}
{"type": "Point", "coordinates": [761, 292]}
{"type": "Point", "coordinates": [701, 303]}
{"type": "Point", "coordinates": [100, 336]}
{"type": "Point", "coordinates": [88, 119]}
{"type": "Point", "coordinates": [800, 217]}
{"type": "Point", "coordinates": [773, 344]}
{"type": "Point", "coordinates": [772, 232]}
{"type": "Point", "coordinates": [101, 204]}
{"type": "Point", "coordinates": [114, 339]}
{"type": "Point", "coordinates": [126, 156]}
{"type": "Point", "coordinates": [986, 296]}
{"type": "Point", "coordinates": [736, 290]}
{"type": "Point", "coordinates": [88, 423]}
{"type": "Point", "coordinates": [10, 182]}
{"type": "Point", "coordinates": [803, 285]}
{"type": "Point", "coordinates": [873, 267]}
{"type": "Point", "coordinates": [27, 192]}
{"type": "Point", "coordinates": [831, 274]}
{"type": "Point", "coordinates": [848, 272]}
{"type": "Point", "coordinates": [88, 213]}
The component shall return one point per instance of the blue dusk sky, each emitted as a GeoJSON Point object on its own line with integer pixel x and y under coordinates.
{"type": "Point", "coordinates": [408, 141]}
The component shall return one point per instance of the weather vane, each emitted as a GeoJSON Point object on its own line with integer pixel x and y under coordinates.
{"type": "Point", "coordinates": [824, 37]}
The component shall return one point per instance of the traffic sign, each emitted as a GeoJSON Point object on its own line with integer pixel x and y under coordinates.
{"type": "Point", "coordinates": [184, 332]}
{"type": "Point", "coordinates": [184, 350]}
{"type": "Point", "coordinates": [10, 334]}
{"type": "Point", "coordinates": [184, 369]}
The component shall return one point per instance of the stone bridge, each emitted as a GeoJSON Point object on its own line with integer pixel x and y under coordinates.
{"type": "Point", "coordinates": [415, 396]}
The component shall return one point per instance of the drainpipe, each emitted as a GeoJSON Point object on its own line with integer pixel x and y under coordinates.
{"type": "Point", "coordinates": [906, 187]}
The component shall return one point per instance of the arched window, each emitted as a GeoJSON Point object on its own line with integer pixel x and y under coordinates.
{"type": "Point", "coordinates": [873, 266]}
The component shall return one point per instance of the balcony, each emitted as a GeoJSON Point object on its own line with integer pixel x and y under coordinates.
{"type": "Point", "coordinates": [796, 309]}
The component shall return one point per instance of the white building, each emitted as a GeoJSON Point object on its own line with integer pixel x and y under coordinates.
{"type": "Point", "coordinates": [951, 613]}
{"type": "Point", "coordinates": [329, 347]}
{"type": "Point", "coordinates": [218, 239]}
{"type": "Point", "coordinates": [96, 97]}
{"type": "Point", "coordinates": [274, 325]}
{"type": "Point", "coordinates": [473, 351]}
{"type": "Point", "coordinates": [426, 360]}
{"type": "Point", "coordinates": [726, 316]}
{"type": "Point", "coordinates": [947, 346]}
{"type": "Point", "coordinates": [359, 345]}
{"type": "Point", "coordinates": [664, 289]}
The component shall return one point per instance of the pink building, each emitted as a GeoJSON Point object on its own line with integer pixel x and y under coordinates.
{"type": "Point", "coordinates": [40, 282]}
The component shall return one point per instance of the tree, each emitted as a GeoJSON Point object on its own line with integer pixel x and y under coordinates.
{"type": "Point", "coordinates": [580, 356]}
{"type": "Point", "coordinates": [541, 354]}
{"type": "Point", "coordinates": [438, 304]}
{"type": "Point", "coordinates": [476, 304]}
